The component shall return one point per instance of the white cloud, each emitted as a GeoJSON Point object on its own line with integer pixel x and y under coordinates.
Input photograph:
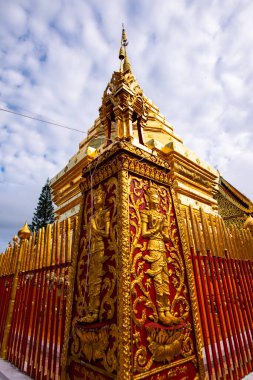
{"type": "Point", "coordinates": [13, 18]}
{"type": "Point", "coordinates": [194, 59]}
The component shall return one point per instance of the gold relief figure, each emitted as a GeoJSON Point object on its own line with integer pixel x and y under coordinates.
{"type": "Point", "coordinates": [155, 226]}
{"type": "Point", "coordinates": [99, 230]}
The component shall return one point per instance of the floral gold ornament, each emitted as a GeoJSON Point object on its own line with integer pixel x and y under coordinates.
{"type": "Point", "coordinates": [164, 344]}
{"type": "Point", "coordinates": [95, 344]}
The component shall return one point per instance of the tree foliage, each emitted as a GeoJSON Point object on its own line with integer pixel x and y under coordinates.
{"type": "Point", "coordinates": [44, 212]}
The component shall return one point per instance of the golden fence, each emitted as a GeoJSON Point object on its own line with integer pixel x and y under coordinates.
{"type": "Point", "coordinates": [208, 233]}
{"type": "Point", "coordinates": [222, 261]}
{"type": "Point", "coordinates": [34, 282]}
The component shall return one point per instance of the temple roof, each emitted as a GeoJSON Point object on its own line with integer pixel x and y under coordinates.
{"type": "Point", "coordinates": [235, 196]}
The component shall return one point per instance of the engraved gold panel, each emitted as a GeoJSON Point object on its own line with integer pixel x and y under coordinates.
{"type": "Point", "coordinates": [161, 319]}
{"type": "Point", "coordinates": [93, 329]}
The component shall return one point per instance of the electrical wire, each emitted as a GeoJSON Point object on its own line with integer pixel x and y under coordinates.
{"type": "Point", "coordinates": [52, 123]}
{"type": "Point", "coordinates": [41, 120]}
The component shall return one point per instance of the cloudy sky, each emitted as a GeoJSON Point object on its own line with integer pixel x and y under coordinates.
{"type": "Point", "coordinates": [193, 58]}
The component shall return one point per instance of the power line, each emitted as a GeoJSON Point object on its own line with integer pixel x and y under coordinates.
{"type": "Point", "coordinates": [41, 120]}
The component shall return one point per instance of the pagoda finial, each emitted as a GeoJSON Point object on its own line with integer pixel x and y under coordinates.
{"type": "Point", "coordinates": [24, 232]}
{"type": "Point", "coordinates": [124, 40]}
{"type": "Point", "coordinates": [123, 52]}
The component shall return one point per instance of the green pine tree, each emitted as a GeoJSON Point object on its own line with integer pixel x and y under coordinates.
{"type": "Point", "coordinates": [44, 212]}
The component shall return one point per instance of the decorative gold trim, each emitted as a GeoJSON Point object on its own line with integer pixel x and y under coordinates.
{"type": "Point", "coordinates": [147, 166]}
{"type": "Point", "coordinates": [124, 284]}
{"type": "Point", "coordinates": [192, 175]}
{"type": "Point", "coordinates": [164, 367]}
{"type": "Point", "coordinates": [191, 285]}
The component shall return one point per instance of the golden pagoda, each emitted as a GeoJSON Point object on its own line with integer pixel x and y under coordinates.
{"type": "Point", "coordinates": [127, 113]}
{"type": "Point", "coordinates": [149, 219]}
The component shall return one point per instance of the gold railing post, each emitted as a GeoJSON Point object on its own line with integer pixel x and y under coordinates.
{"type": "Point", "coordinates": [24, 234]}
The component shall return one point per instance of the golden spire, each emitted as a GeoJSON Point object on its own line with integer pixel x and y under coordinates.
{"type": "Point", "coordinates": [123, 52]}
{"type": "Point", "coordinates": [126, 65]}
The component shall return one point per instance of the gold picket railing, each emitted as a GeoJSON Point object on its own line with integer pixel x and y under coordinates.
{"type": "Point", "coordinates": [209, 233]}
{"type": "Point", "coordinates": [222, 260]}
{"type": "Point", "coordinates": [34, 284]}
{"type": "Point", "coordinates": [34, 281]}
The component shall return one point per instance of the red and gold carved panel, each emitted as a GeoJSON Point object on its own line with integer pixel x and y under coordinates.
{"type": "Point", "coordinates": [94, 315]}
{"type": "Point", "coordinates": [161, 320]}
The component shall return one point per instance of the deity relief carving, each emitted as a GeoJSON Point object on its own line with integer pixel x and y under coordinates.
{"type": "Point", "coordinates": [98, 231]}
{"type": "Point", "coordinates": [94, 332]}
{"type": "Point", "coordinates": [161, 328]}
{"type": "Point", "coordinates": [155, 226]}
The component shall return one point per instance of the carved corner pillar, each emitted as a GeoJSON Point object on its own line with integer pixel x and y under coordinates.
{"type": "Point", "coordinates": [132, 313]}
{"type": "Point", "coordinates": [124, 286]}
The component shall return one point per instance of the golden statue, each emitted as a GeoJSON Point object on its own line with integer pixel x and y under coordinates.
{"type": "Point", "coordinates": [99, 229]}
{"type": "Point", "coordinates": [155, 226]}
